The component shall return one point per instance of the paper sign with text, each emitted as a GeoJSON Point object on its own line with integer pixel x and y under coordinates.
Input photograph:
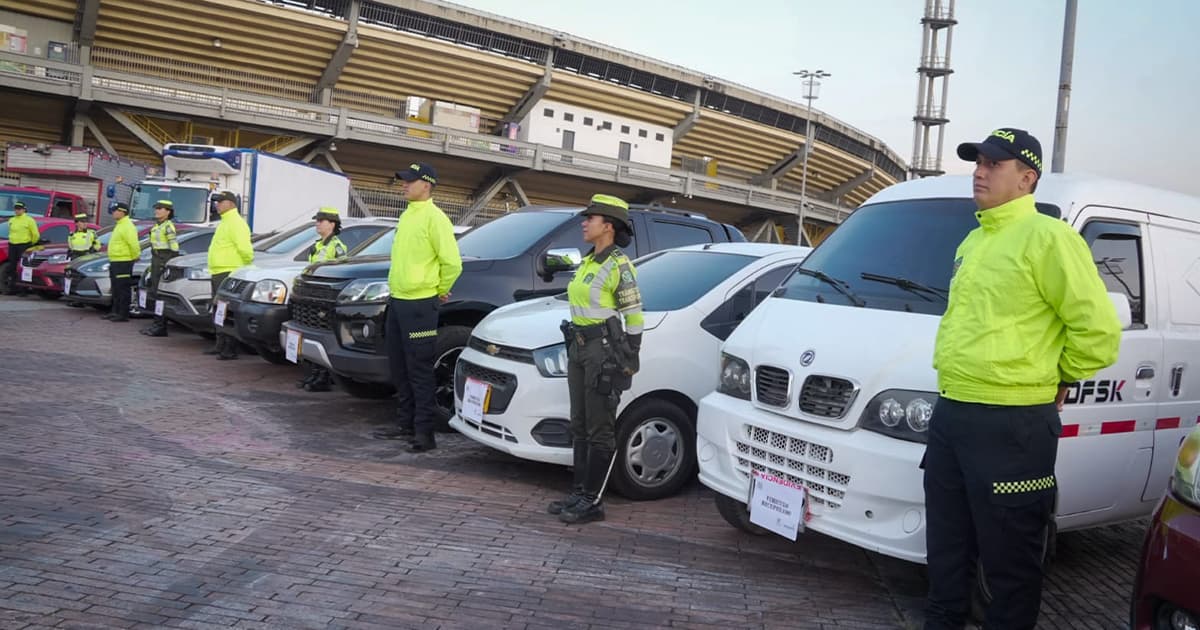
{"type": "Point", "coordinates": [219, 313]}
{"type": "Point", "coordinates": [292, 348]}
{"type": "Point", "coordinates": [777, 504]}
{"type": "Point", "coordinates": [476, 395]}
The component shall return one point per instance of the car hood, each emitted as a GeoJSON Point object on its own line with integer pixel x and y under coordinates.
{"type": "Point", "coordinates": [285, 271]}
{"type": "Point", "coordinates": [534, 323]}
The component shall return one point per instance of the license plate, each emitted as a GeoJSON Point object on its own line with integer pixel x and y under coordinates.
{"type": "Point", "coordinates": [292, 349]}
{"type": "Point", "coordinates": [26, 274]}
{"type": "Point", "coordinates": [66, 286]}
{"type": "Point", "coordinates": [219, 313]}
{"type": "Point", "coordinates": [158, 307]}
{"type": "Point", "coordinates": [476, 396]}
{"type": "Point", "coordinates": [142, 299]}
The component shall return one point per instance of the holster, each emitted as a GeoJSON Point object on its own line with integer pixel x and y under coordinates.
{"type": "Point", "coordinates": [569, 338]}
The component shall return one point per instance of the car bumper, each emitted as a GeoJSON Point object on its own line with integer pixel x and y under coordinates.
{"type": "Point", "coordinates": [42, 281]}
{"type": "Point", "coordinates": [1166, 578]}
{"type": "Point", "coordinates": [321, 347]}
{"type": "Point", "coordinates": [536, 402]}
{"type": "Point", "coordinates": [181, 310]}
{"type": "Point", "coordinates": [256, 324]}
{"type": "Point", "coordinates": [91, 289]}
{"type": "Point", "coordinates": [864, 488]}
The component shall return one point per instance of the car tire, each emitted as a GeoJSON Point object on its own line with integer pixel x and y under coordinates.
{"type": "Point", "coordinates": [4, 276]}
{"type": "Point", "coordinates": [272, 356]}
{"type": "Point", "coordinates": [981, 595]}
{"type": "Point", "coordinates": [359, 389]}
{"type": "Point", "coordinates": [738, 515]}
{"type": "Point", "coordinates": [451, 341]}
{"type": "Point", "coordinates": [656, 451]}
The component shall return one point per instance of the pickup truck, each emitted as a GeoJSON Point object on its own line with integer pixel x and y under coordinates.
{"type": "Point", "coordinates": [338, 307]}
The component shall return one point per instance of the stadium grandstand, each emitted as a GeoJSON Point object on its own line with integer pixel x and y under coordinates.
{"type": "Point", "coordinates": [510, 113]}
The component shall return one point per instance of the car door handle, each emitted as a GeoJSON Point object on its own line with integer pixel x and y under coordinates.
{"type": "Point", "coordinates": [1145, 372]}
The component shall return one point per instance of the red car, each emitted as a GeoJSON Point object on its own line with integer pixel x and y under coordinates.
{"type": "Point", "coordinates": [1164, 592]}
{"type": "Point", "coordinates": [53, 230]}
{"type": "Point", "coordinates": [49, 264]}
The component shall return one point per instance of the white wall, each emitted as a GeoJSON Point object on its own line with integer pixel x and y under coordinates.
{"type": "Point", "coordinates": [547, 121]}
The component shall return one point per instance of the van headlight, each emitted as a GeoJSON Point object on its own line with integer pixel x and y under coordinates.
{"type": "Point", "coordinates": [735, 377]}
{"type": "Point", "coordinates": [365, 290]}
{"type": "Point", "coordinates": [269, 292]}
{"type": "Point", "coordinates": [197, 273]}
{"type": "Point", "coordinates": [551, 361]}
{"type": "Point", "coordinates": [900, 413]}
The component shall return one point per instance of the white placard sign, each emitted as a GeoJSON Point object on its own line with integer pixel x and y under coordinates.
{"type": "Point", "coordinates": [777, 504]}
{"type": "Point", "coordinates": [66, 286]}
{"type": "Point", "coordinates": [26, 274]}
{"type": "Point", "coordinates": [475, 399]}
{"type": "Point", "coordinates": [219, 313]}
{"type": "Point", "coordinates": [291, 349]}
{"type": "Point", "coordinates": [142, 299]}
{"type": "Point", "coordinates": [158, 308]}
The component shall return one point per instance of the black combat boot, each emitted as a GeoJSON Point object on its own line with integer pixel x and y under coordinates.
{"type": "Point", "coordinates": [320, 381]}
{"type": "Point", "coordinates": [591, 506]}
{"type": "Point", "coordinates": [579, 471]}
{"type": "Point", "coordinates": [422, 442]}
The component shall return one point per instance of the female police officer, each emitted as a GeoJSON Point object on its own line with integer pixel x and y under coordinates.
{"type": "Point", "coordinates": [601, 357]}
{"type": "Point", "coordinates": [328, 247]}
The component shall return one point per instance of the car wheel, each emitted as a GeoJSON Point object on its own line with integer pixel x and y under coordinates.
{"type": "Point", "coordinates": [656, 451]}
{"type": "Point", "coordinates": [451, 341]}
{"type": "Point", "coordinates": [981, 595]}
{"type": "Point", "coordinates": [359, 389]}
{"type": "Point", "coordinates": [738, 515]}
{"type": "Point", "coordinates": [272, 356]}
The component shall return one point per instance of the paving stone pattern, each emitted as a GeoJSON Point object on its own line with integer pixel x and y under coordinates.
{"type": "Point", "coordinates": [145, 485]}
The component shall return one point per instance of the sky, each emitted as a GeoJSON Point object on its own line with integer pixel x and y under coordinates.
{"type": "Point", "coordinates": [1135, 85]}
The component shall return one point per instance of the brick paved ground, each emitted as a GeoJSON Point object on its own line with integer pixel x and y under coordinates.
{"type": "Point", "coordinates": [143, 484]}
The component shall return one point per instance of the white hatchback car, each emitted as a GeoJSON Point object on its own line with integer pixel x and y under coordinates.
{"type": "Point", "coordinates": [693, 298]}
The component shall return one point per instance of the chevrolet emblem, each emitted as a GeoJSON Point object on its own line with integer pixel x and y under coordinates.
{"type": "Point", "coordinates": [492, 349]}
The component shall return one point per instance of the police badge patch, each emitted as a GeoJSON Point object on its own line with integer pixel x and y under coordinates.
{"type": "Point", "coordinates": [627, 276]}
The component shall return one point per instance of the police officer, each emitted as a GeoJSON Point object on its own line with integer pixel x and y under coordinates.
{"type": "Point", "coordinates": [164, 245]}
{"type": "Point", "coordinates": [328, 247]}
{"type": "Point", "coordinates": [82, 239]}
{"type": "Point", "coordinates": [22, 234]}
{"type": "Point", "coordinates": [123, 251]}
{"type": "Point", "coordinates": [1027, 315]}
{"type": "Point", "coordinates": [601, 357]}
{"type": "Point", "coordinates": [425, 264]}
{"type": "Point", "coordinates": [229, 251]}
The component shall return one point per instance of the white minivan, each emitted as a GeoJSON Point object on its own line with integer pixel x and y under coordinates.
{"type": "Point", "coordinates": [829, 383]}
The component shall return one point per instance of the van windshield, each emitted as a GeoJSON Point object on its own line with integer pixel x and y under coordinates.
{"type": "Point", "coordinates": [35, 203]}
{"type": "Point", "coordinates": [896, 255]}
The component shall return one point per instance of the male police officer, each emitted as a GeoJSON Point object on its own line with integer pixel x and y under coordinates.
{"type": "Point", "coordinates": [425, 264]}
{"type": "Point", "coordinates": [164, 245]}
{"type": "Point", "coordinates": [229, 251]}
{"type": "Point", "coordinates": [1027, 314]}
{"type": "Point", "coordinates": [123, 251]}
{"type": "Point", "coordinates": [22, 234]}
{"type": "Point", "coordinates": [82, 239]}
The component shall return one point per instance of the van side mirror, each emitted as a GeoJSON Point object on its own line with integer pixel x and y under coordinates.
{"type": "Point", "coordinates": [1124, 312]}
{"type": "Point", "coordinates": [564, 259]}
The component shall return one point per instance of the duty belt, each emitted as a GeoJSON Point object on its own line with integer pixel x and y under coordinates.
{"type": "Point", "coordinates": [584, 334]}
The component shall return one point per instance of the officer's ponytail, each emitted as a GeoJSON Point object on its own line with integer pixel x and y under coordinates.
{"type": "Point", "coordinates": [621, 236]}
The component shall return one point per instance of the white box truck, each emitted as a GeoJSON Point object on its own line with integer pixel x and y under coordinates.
{"type": "Point", "coordinates": [272, 191]}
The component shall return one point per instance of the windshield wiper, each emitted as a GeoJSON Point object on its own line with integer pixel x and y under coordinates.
{"type": "Point", "coordinates": [840, 285]}
{"type": "Point", "coordinates": [905, 283]}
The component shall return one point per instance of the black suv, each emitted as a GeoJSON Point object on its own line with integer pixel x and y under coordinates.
{"type": "Point", "coordinates": [338, 307]}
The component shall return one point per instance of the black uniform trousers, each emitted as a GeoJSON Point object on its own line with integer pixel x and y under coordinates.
{"type": "Point", "coordinates": [15, 252]}
{"type": "Point", "coordinates": [158, 265]}
{"type": "Point", "coordinates": [411, 335]}
{"type": "Point", "coordinates": [989, 496]}
{"type": "Point", "coordinates": [226, 346]}
{"type": "Point", "coordinates": [593, 412]}
{"type": "Point", "coordinates": [120, 276]}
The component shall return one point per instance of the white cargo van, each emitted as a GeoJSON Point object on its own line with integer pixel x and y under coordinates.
{"type": "Point", "coordinates": [829, 383]}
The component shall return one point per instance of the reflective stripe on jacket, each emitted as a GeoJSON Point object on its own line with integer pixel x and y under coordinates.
{"type": "Point", "coordinates": [83, 241]}
{"type": "Point", "coordinates": [123, 246]}
{"type": "Point", "coordinates": [163, 236]}
{"type": "Point", "coordinates": [230, 248]}
{"type": "Point", "coordinates": [1027, 310]}
{"type": "Point", "coordinates": [325, 250]}
{"type": "Point", "coordinates": [604, 286]}
{"type": "Point", "coordinates": [425, 258]}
